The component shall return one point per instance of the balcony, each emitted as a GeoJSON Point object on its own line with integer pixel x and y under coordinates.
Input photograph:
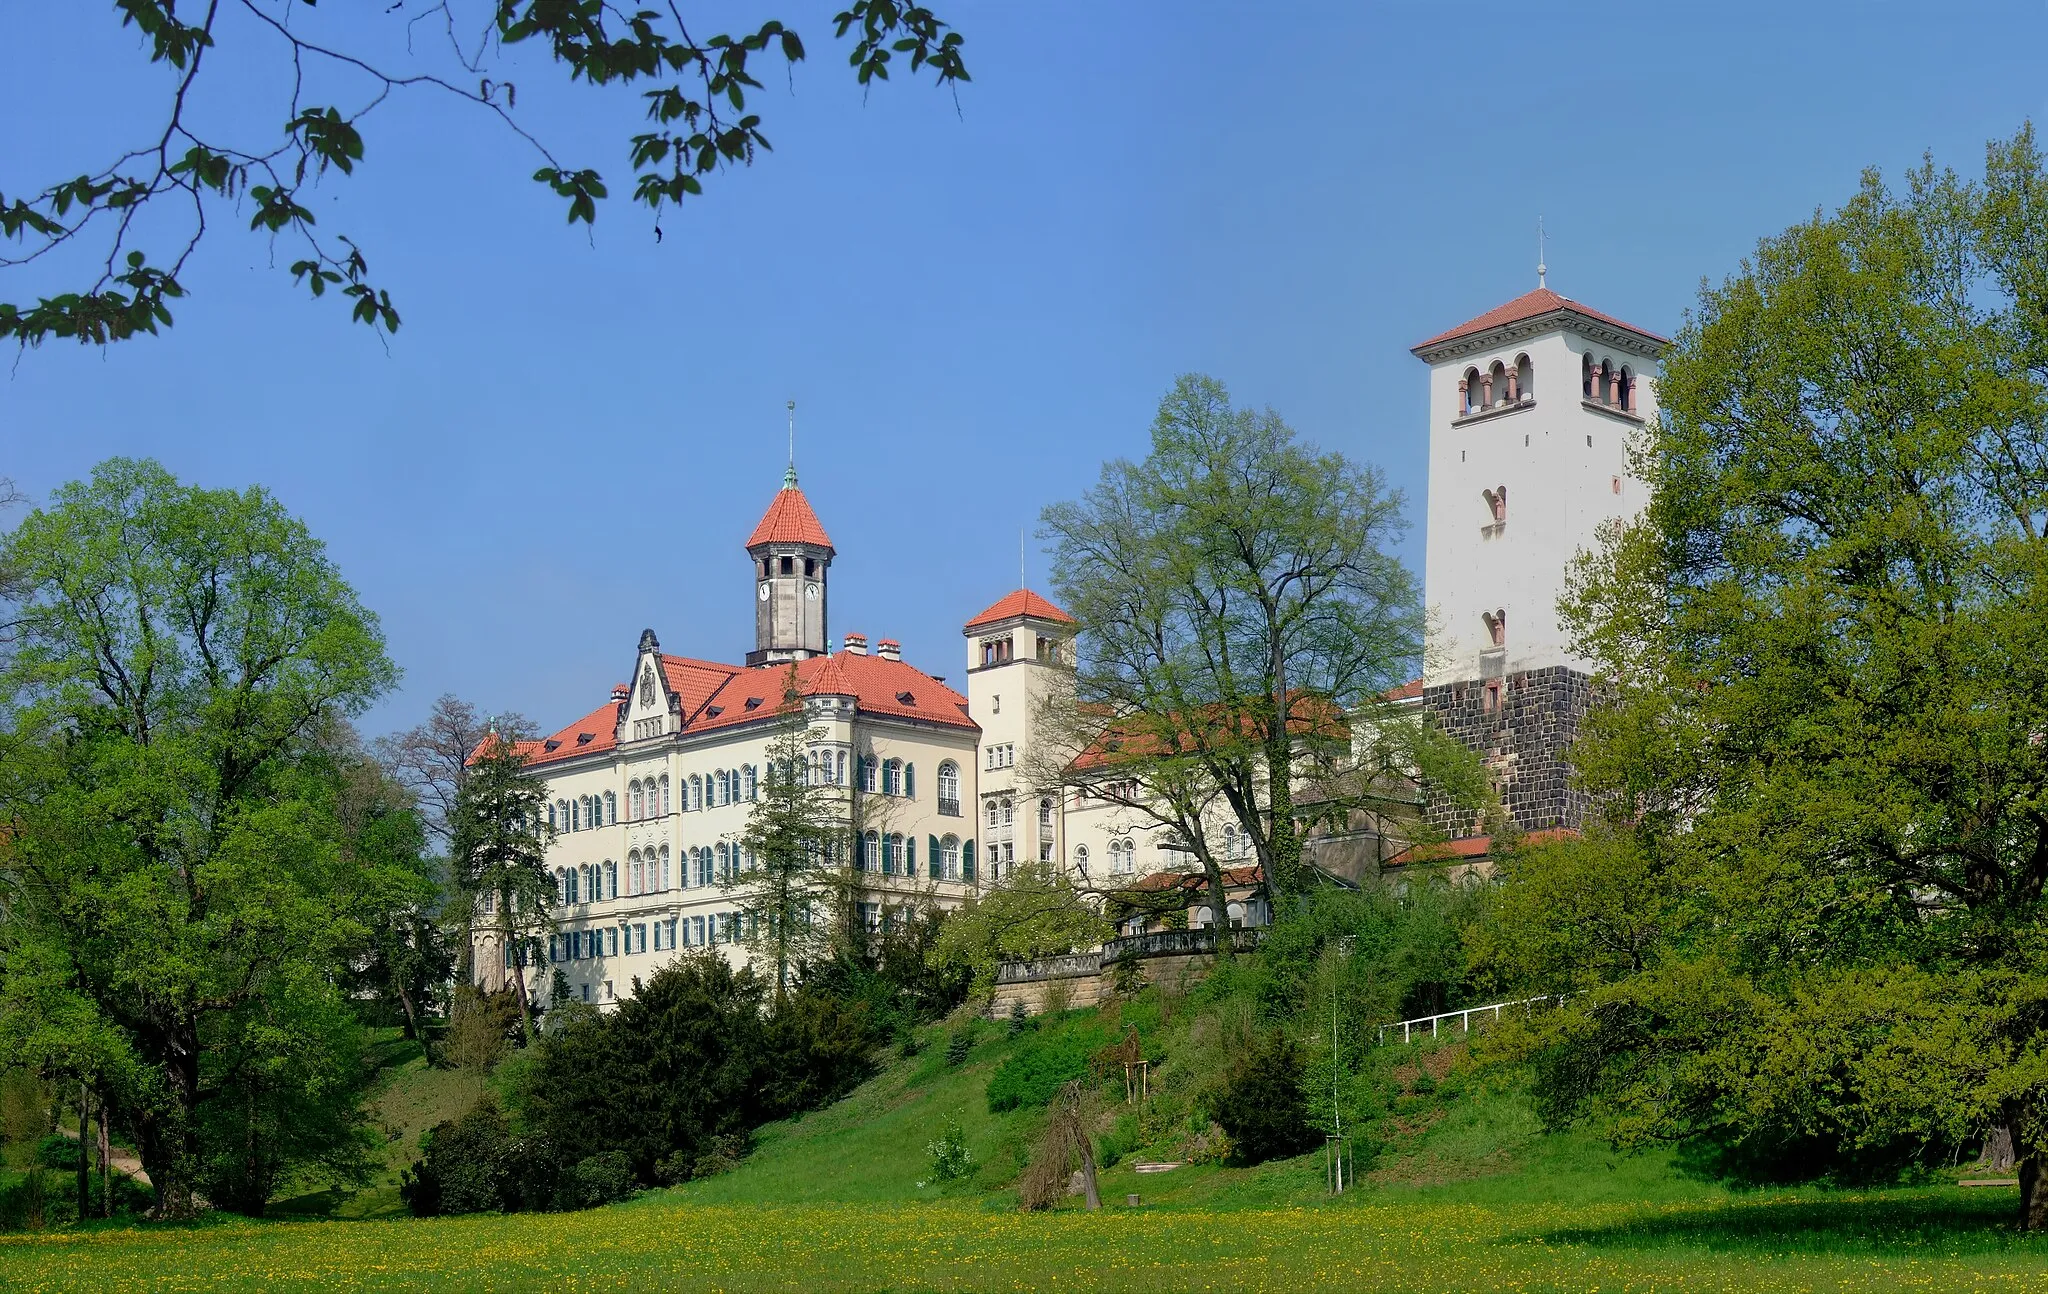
{"type": "Point", "coordinates": [949, 808]}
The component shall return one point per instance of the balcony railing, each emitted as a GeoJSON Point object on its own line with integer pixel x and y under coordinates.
{"type": "Point", "coordinates": [949, 808]}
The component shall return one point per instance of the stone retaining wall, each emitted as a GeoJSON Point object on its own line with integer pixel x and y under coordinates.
{"type": "Point", "coordinates": [1089, 979]}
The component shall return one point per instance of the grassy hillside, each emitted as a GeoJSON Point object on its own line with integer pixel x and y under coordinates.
{"type": "Point", "coordinates": [1464, 1192]}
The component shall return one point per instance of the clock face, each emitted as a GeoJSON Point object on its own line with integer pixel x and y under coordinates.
{"type": "Point", "coordinates": [811, 592]}
{"type": "Point", "coordinates": [764, 593]}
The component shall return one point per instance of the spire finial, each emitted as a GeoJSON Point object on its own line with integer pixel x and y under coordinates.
{"type": "Point", "coordinates": [1541, 268]}
{"type": "Point", "coordinates": [789, 477]}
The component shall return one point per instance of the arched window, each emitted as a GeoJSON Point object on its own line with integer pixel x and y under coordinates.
{"type": "Point", "coordinates": [1009, 812]}
{"type": "Point", "coordinates": [840, 780]}
{"type": "Point", "coordinates": [753, 786]}
{"type": "Point", "coordinates": [1625, 390]}
{"type": "Point", "coordinates": [611, 807]}
{"type": "Point", "coordinates": [949, 789]}
{"type": "Point", "coordinates": [561, 886]}
{"type": "Point", "coordinates": [892, 855]}
{"type": "Point", "coordinates": [1496, 385]}
{"type": "Point", "coordinates": [633, 801]}
{"type": "Point", "coordinates": [575, 816]}
{"type": "Point", "coordinates": [1586, 377]}
{"type": "Point", "coordinates": [1045, 812]}
{"type": "Point", "coordinates": [696, 794]}
{"type": "Point", "coordinates": [870, 852]}
{"type": "Point", "coordinates": [1230, 842]}
{"type": "Point", "coordinates": [663, 878]}
{"type": "Point", "coordinates": [725, 868]}
{"type": "Point", "coordinates": [1606, 395]}
{"type": "Point", "coordinates": [1468, 391]}
{"type": "Point", "coordinates": [949, 857]}
{"type": "Point", "coordinates": [664, 794]}
{"type": "Point", "coordinates": [811, 770]}
{"type": "Point", "coordinates": [892, 777]}
{"type": "Point", "coordinates": [1081, 861]}
{"type": "Point", "coordinates": [991, 815]}
{"type": "Point", "coordinates": [1525, 378]}
{"type": "Point", "coordinates": [552, 826]}
{"type": "Point", "coordinates": [636, 875]}
{"type": "Point", "coordinates": [611, 879]}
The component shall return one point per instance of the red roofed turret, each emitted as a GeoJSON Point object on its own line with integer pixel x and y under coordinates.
{"type": "Point", "coordinates": [791, 554]}
{"type": "Point", "coordinates": [789, 520]}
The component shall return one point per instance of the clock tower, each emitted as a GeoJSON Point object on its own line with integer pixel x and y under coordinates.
{"type": "Point", "coordinates": [791, 556]}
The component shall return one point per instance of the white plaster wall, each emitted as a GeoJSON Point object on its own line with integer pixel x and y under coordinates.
{"type": "Point", "coordinates": [1558, 460]}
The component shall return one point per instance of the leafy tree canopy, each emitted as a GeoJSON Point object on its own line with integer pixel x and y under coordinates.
{"type": "Point", "coordinates": [180, 878]}
{"type": "Point", "coordinates": [123, 229]}
{"type": "Point", "coordinates": [1826, 760]}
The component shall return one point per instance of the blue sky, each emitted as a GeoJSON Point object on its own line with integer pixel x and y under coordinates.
{"type": "Point", "coordinates": [572, 433]}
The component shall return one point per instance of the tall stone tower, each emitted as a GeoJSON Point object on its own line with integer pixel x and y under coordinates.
{"type": "Point", "coordinates": [1532, 409]}
{"type": "Point", "coordinates": [792, 556]}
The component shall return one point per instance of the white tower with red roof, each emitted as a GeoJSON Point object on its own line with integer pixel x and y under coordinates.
{"type": "Point", "coordinates": [1533, 407]}
{"type": "Point", "coordinates": [792, 557]}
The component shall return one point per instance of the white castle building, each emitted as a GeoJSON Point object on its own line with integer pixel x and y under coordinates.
{"type": "Point", "coordinates": [1532, 409]}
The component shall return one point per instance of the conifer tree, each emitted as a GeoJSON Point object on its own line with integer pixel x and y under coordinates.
{"type": "Point", "coordinates": [792, 839]}
{"type": "Point", "coordinates": [498, 838]}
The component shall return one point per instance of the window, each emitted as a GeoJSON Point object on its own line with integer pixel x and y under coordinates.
{"type": "Point", "coordinates": [705, 876]}
{"type": "Point", "coordinates": [551, 819]}
{"type": "Point", "coordinates": [753, 786]}
{"type": "Point", "coordinates": [810, 566]}
{"type": "Point", "coordinates": [892, 854]}
{"type": "Point", "coordinates": [1230, 842]}
{"type": "Point", "coordinates": [634, 803]}
{"type": "Point", "coordinates": [575, 815]}
{"type": "Point", "coordinates": [949, 857]}
{"type": "Point", "coordinates": [1525, 380]}
{"type": "Point", "coordinates": [789, 566]}
{"type": "Point", "coordinates": [1586, 378]}
{"type": "Point", "coordinates": [840, 780]}
{"type": "Point", "coordinates": [892, 777]}
{"type": "Point", "coordinates": [695, 801]}
{"type": "Point", "coordinates": [992, 811]}
{"type": "Point", "coordinates": [611, 941]}
{"type": "Point", "coordinates": [1048, 650]}
{"type": "Point", "coordinates": [1625, 390]}
{"type": "Point", "coordinates": [636, 875]}
{"type": "Point", "coordinates": [611, 879]}
{"type": "Point", "coordinates": [1081, 861]}
{"type": "Point", "coordinates": [1489, 701]}
{"type": "Point", "coordinates": [660, 943]}
{"type": "Point", "coordinates": [697, 930]}
{"type": "Point", "coordinates": [724, 862]}
{"type": "Point", "coordinates": [663, 879]}
{"type": "Point", "coordinates": [664, 794]}
{"type": "Point", "coordinates": [611, 807]}
{"type": "Point", "coordinates": [561, 887]}
{"type": "Point", "coordinates": [949, 789]}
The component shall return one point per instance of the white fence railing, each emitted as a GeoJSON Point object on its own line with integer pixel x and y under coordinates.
{"type": "Point", "coordinates": [1434, 1023]}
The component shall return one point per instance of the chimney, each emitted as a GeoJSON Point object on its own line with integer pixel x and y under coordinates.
{"type": "Point", "coordinates": [857, 644]}
{"type": "Point", "coordinates": [889, 649]}
{"type": "Point", "coordinates": [622, 691]}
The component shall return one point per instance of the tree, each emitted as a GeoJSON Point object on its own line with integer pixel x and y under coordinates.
{"type": "Point", "coordinates": [431, 760]}
{"type": "Point", "coordinates": [793, 836]}
{"type": "Point", "coordinates": [187, 174]}
{"type": "Point", "coordinates": [407, 962]}
{"type": "Point", "coordinates": [1034, 911]}
{"type": "Point", "coordinates": [175, 892]}
{"type": "Point", "coordinates": [498, 843]}
{"type": "Point", "coordinates": [1241, 619]}
{"type": "Point", "coordinates": [1831, 677]}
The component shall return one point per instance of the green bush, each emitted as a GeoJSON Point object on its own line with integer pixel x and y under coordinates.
{"type": "Point", "coordinates": [1262, 1109]}
{"type": "Point", "coordinates": [960, 1044]}
{"type": "Point", "coordinates": [597, 1180]}
{"type": "Point", "coordinates": [950, 1160]}
{"type": "Point", "coordinates": [1039, 1067]}
{"type": "Point", "coordinates": [469, 1165]}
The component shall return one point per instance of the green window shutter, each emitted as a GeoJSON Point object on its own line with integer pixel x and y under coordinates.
{"type": "Point", "coordinates": [967, 860]}
{"type": "Point", "coordinates": [910, 855]}
{"type": "Point", "coordinates": [910, 781]}
{"type": "Point", "coordinates": [935, 865]}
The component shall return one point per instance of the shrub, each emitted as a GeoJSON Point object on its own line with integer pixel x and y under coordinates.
{"type": "Point", "coordinates": [1261, 1108]}
{"type": "Point", "coordinates": [721, 1154]}
{"type": "Point", "coordinates": [1037, 1070]}
{"type": "Point", "coordinates": [960, 1044]}
{"type": "Point", "coordinates": [1020, 1017]}
{"type": "Point", "coordinates": [950, 1160]}
{"type": "Point", "coordinates": [468, 1165]}
{"type": "Point", "coordinates": [597, 1180]}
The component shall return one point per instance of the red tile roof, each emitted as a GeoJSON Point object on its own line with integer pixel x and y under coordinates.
{"type": "Point", "coordinates": [1021, 603]}
{"type": "Point", "coordinates": [714, 696]}
{"type": "Point", "coordinates": [789, 520]}
{"type": "Point", "coordinates": [1465, 849]}
{"type": "Point", "coordinates": [1406, 692]}
{"type": "Point", "coordinates": [1528, 306]}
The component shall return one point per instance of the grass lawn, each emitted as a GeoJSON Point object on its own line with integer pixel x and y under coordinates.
{"type": "Point", "coordinates": [1468, 1195]}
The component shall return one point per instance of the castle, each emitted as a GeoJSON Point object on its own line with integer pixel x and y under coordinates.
{"type": "Point", "coordinates": [1534, 401]}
